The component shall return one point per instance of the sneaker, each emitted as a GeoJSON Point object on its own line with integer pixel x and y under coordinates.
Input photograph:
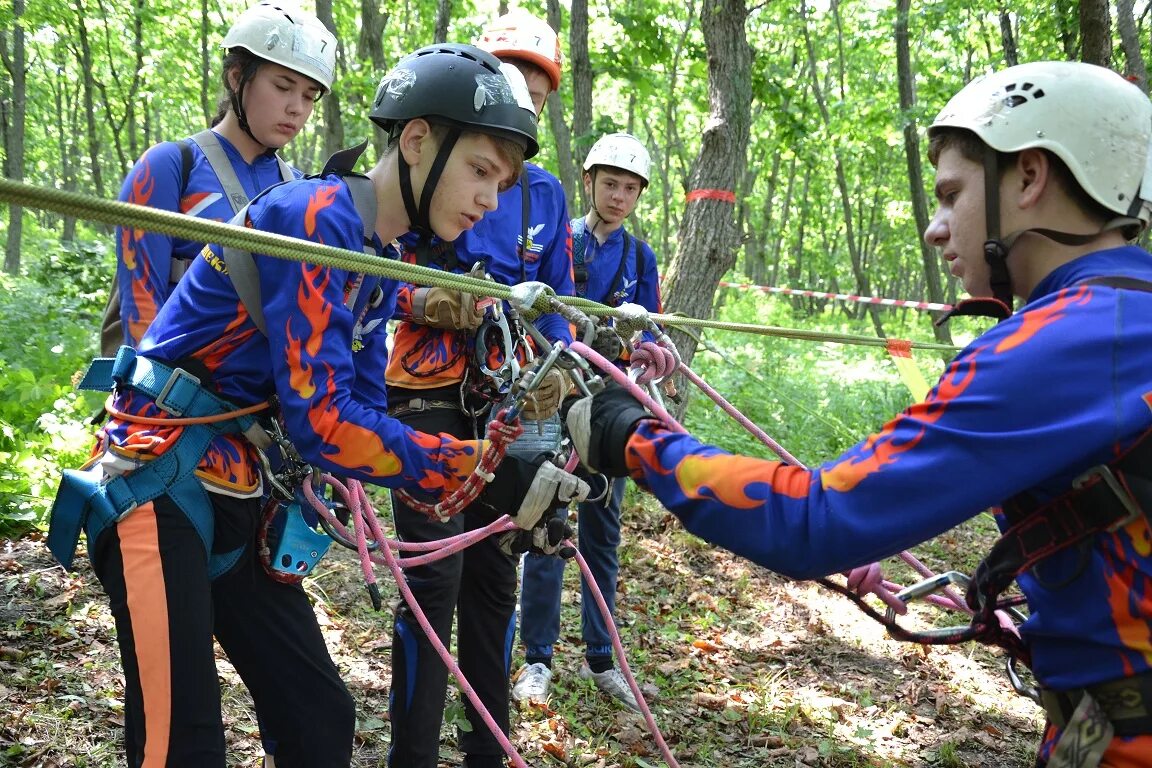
{"type": "Point", "coordinates": [533, 683]}
{"type": "Point", "coordinates": [612, 682]}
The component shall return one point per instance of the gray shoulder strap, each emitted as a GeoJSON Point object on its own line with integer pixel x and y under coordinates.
{"type": "Point", "coordinates": [364, 198]}
{"type": "Point", "coordinates": [285, 170]}
{"type": "Point", "coordinates": [242, 267]}
{"type": "Point", "coordinates": [221, 166]}
{"type": "Point", "coordinates": [245, 279]}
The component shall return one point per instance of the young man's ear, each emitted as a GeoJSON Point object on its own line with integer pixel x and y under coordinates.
{"type": "Point", "coordinates": [413, 140]}
{"type": "Point", "coordinates": [1034, 169]}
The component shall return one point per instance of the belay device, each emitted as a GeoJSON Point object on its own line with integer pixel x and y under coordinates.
{"type": "Point", "coordinates": [293, 541]}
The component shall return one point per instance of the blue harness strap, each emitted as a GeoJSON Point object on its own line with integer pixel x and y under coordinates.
{"type": "Point", "coordinates": [85, 502]}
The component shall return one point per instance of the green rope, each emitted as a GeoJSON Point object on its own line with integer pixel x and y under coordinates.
{"type": "Point", "coordinates": [116, 213]}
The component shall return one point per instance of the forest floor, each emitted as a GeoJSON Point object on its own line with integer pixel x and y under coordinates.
{"type": "Point", "coordinates": [742, 668]}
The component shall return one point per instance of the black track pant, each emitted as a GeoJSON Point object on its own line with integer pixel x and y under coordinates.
{"type": "Point", "coordinates": [152, 567]}
{"type": "Point", "coordinates": [479, 585]}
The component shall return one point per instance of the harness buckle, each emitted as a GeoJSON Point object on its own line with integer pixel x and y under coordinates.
{"type": "Point", "coordinates": [177, 377]}
{"type": "Point", "coordinates": [1103, 473]}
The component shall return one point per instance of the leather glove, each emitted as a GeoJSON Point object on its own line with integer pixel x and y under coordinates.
{"type": "Point", "coordinates": [544, 401]}
{"type": "Point", "coordinates": [655, 361]}
{"type": "Point", "coordinates": [446, 308]}
{"type": "Point", "coordinates": [547, 538]}
{"type": "Point", "coordinates": [600, 427]}
{"type": "Point", "coordinates": [537, 486]}
{"type": "Point", "coordinates": [607, 342]}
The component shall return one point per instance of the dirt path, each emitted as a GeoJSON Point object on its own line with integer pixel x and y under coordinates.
{"type": "Point", "coordinates": [746, 669]}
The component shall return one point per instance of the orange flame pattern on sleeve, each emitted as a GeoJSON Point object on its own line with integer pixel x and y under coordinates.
{"type": "Point", "coordinates": [881, 449]}
{"type": "Point", "coordinates": [1038, 319]}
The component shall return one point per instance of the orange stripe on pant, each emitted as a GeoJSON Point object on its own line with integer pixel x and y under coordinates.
{"type": "Point", "coordinates": [148, 611]}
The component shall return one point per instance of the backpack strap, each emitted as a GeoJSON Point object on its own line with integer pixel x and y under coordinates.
{"type": "Point", "coordinates": [579, 244]}
{"type": "Point", "coordinates": [617, 296]}
{"type": "Point", "coordinates": [241, 265]}
{"type": "Point", "coordinates": [210, 145]}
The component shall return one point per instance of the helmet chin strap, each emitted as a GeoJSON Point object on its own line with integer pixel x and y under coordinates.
{"type": "Point", "coordinates": [996, 248]}
{"type": "Point", "coordinates": [236, 97]}
{"type": "Point", "coordinates": [419, 218]}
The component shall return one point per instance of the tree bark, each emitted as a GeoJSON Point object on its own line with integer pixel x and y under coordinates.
{"type": "Point", "coordinates": [1095, 32]}
{"type": "Point", "coordinates": [562, 139]}
{"type": "Point", "coordinates": [708, 238]}
{"type": "Point", "coordinates": [1007, 38]}
{"type": "Point", "coordinates": [907, 88]}
{"type": "Point", "coordinates": [89, 82]}
{"type": "Point", "coordinates": [580, 139]}
{"type": "Point", "coordinates": [207, 104]}
{"type": "Point", "coordinates": [14, 134]}
{"type": "Point", "coordinates": [370, 47]}
{"type": "Point", "coordinates": [858, 271]}
{"type": "Point", "coordinates": [443, 18]}
{"type": "Point", "coordinates": [333, 121]}
{"type": "Point", "coordinates": [1134, 66]}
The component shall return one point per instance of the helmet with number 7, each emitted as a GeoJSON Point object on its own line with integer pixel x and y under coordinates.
{"type": "Point", "coordinates": [620, 150]}
{"type": "Point", "coordinates": [520, 35]}
{"type": "Point", "coordinates": [1093, 119]}
{"type": "Point", "coordinates": [286, 35]}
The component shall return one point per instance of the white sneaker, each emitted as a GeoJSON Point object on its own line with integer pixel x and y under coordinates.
{"type": "Point", "coordinates": [533, 683]}
{"type": "Point", "coordinates": [612, 682]}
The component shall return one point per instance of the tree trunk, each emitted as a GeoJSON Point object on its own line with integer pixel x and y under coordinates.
{"type": "Point", "coordinates": [370, 47]}
{"type": "Point", "coordinates": [207, 103]}
{"type": "Point", "coordinates": [1134, 66]}
{"type": "Point", "coordinates": [14, 136]}
{"type": "Point", "coordinates": [566, 163]}
{"type": "Point", "coordinates": [907, 88]}
{"type": "Point", "coordinates": [89, 96]}
{"type": "Point", "coordinates": [443, 18]}
{"type": "Point", "coordinates": [858, 271]}
{"type": "Point", "coordinates": [1007, 38]}
{"type": "Point", "coordinates": [1095, 32]}
{"type": "Point", "coordinates": [708, 238]}
{"type": "Point", "coordinates": [672, 146]}
{"type": "Point", "coordinates": [333, 122]}
{"type": "Point", "coordinates": [580, 139]}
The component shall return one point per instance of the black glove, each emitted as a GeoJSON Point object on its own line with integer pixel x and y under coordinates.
{"type": "Point", "coordinates": [600, 427]}
{"type": "Point", "coordinates": [527, 489]}
{"type": "Point", "coordinates": [547, 538]}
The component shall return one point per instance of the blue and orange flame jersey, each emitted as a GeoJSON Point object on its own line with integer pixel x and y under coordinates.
{"type": "Point", "coordinates": [427, 358]}
{"type": "Point", "coordinates": [322, 359]}
{"type": "Point", "coordinates": [144, 259]}
{"type": "Point", "coordinates": [1061, 386]}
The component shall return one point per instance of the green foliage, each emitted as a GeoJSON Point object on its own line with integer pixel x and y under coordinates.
{"type": "Point", "coordinates": [54, 312]}
{"type": "Point", "coordinates": [815, 399]}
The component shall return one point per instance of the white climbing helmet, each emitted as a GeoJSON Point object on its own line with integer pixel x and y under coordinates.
{"type": "Point", "coordinates": [1093, 119]}
{"type": "Point", "coordinates": [620, 150]}
{"type": "Point", "coordinates": [284, 34]}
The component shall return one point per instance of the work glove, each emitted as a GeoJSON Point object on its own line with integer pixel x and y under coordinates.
{"type": "Point", "coordinates": [536, 486]}
{"type": "Point", "coordinates": [446, 308]}
{"type": "Point", "coordinates": [547, 538]}
{"type": "Point", "coordinates": [544, 401]}
{"type": "Point", "coordinates": [607, 342]}
{"type": "Point", "coordinates": [600, 427]}
{"type": "Point", "coordinates": [655, 361]}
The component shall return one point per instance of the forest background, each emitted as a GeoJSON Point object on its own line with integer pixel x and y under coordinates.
{"type": "Point", "coordinates": [811, 114]}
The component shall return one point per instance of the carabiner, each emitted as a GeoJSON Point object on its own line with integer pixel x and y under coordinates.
{"type": "Point", "coordinates": [923, 589]}
{"type": "Point", "coordinates": [509, 370]}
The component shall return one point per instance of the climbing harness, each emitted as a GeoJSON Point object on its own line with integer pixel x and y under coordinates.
{"type": "Point", "coordinates": [87, 501]}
